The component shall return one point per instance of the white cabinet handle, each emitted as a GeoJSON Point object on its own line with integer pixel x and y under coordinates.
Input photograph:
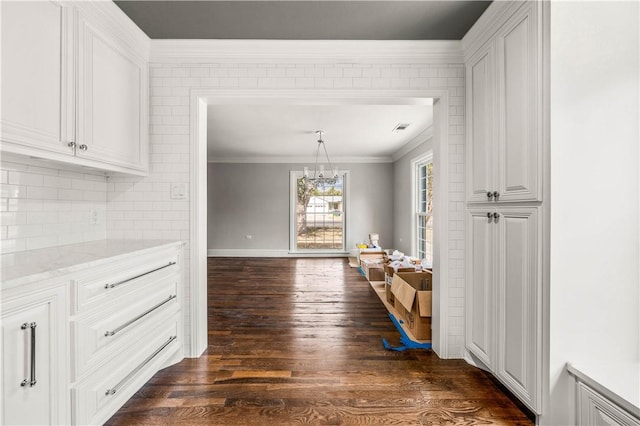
{"type": "Point", "coordinates": [108, 286]}
{"type": "Point", "coordinates": [32, 326]}
{"type": "Point", "coordinates": [145, 313]}
{"type": "Point", "coordinates": [113, 390]}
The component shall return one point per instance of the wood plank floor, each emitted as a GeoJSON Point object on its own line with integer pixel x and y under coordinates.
{"type": "Point", "coordinates": [298, 341]}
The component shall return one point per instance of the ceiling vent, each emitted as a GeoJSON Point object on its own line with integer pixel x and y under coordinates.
{"type": "Point", "coordinates": [401, 126]}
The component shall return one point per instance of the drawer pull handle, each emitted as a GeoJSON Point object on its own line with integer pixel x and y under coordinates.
{"type": "Point", "coordinates": [31, 381]}
{"type": "Point", "coordinates": [108, 286]}
{"type": "Point", "coordinates": [122, 382]}
{"type": "Point", "coordinates": [145, 313]}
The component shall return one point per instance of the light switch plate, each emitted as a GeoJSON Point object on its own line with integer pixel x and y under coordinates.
{"type": "Point", "coordinates": [178, 191]}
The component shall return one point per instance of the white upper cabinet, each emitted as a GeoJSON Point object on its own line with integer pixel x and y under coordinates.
{"type": "Point", "coordinates": [37, 77]}
{"type": "Point", "coordinates": [504, 146]}
{"type": "Point", "coordinates": [112, 96]}
{"type": "Point", "coordinates": [520, 148]}
{"type": "Point", "coordinates": [74, 89]}
{"type": "Point", "coordinates": [482, 152]}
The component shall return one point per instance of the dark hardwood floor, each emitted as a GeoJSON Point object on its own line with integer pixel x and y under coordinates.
{"type": "Point", "coordinates": [298, 341]}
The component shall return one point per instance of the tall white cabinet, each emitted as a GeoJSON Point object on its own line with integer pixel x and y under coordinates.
{"type": "Point", "coordinates": [74, 85]}
{"type": "Point", "coordinates": [504, 151]}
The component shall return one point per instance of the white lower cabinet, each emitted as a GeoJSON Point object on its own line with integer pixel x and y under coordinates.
{"type": "Point", "coordinates": [76, 346]}
{"type": "Point", "coordinates": [34, 351]}
{"type": "Point", "coordinates": [127, 325]}
{"type": "Point", "coordinates": [504, 297]}
{"type": "Point", "coordinates": [596, 410]}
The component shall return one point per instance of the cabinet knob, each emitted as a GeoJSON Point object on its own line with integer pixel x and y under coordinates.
{"type": "Point", "coordinates": [496, 194]}
{"type": "Point", "coordinates": [496, 215]}
{"type": "Point", "coordinates": [489, 215]}
{"type": "Point", "coordinates": [71, 144]}
{"type": "Point", "coordinates": [83, 147]}
{"type": "Point", "coordinates": [489, 195]}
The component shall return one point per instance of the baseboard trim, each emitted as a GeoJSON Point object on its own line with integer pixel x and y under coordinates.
{"type": "Point", "coordinates": [267, 253]}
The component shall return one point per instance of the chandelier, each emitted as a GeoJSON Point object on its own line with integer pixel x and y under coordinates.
{"type": "Point", "coordinates": [319, 173]}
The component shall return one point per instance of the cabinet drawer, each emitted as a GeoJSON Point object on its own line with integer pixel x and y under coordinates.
{"type": "Point", "coordinates": [108, 331]}
{"type": "Point", "coordinates": [596, 410]}
{"type": "Point", "coordinates": [100, 395]}
{"type": "Point", "coordinates": [106, 283]}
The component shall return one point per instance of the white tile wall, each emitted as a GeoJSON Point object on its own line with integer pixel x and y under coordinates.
{"type": "Point", "coordinates": [43, 204]}
{"type": "Point", "coordinates": [142, 208]}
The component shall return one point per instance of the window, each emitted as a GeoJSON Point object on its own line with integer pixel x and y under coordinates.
{"type": "Point", "coordinates": [424, 208]}
{"type": "Point", "coordinates": [318, 214]}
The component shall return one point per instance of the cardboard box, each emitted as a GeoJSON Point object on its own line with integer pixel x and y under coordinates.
{"type": "Point", "coordinates": [388, 269]}
{"type": "Point", "coordinates": [387, 289]}
{"type": "Point", "coordinates": [373, 271]}
{"type": "Point", "coordinates": [376, 256]}
{"type": "Point", "coordinates": [388, 279]}
{"type": "Point", "coordinates": [412, 293]}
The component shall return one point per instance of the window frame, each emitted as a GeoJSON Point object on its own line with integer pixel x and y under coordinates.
{"type": "Point", "coordinates": [416, 164]}
{"type": "Point", "coordinates": [293, 195]}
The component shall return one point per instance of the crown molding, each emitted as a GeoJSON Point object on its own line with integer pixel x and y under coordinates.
{"type": "Point", "coordinates": [418, 140]}
{"type": "Point", "coordinates": [113, 20]}
{"type": "Point", "coordinates": [488, 24]}
{"type": "Point", "coordinates": [336, 161]}
{"type": "Point", "coordinates": [306, 51]}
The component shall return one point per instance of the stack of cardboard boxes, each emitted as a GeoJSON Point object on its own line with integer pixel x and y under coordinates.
{"type": "Point", "coordinates": [408, 290]}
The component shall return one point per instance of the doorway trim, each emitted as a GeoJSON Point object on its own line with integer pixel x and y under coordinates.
{"type": "Point", "coordinates": [200, 98]}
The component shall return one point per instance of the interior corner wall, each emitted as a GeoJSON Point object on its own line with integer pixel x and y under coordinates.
{"type": "Point", "coordinates": [253, 199]}
{"type": "Point", "coordinates": [594, 246]}
{"type": "Point", "coordinates": [402, 203]}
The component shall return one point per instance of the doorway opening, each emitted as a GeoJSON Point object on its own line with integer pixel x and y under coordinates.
{"type": "Point", "coordinates": [204, 98]}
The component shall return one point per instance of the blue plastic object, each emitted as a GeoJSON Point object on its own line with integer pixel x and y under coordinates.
{"type": "Point", "coordinates": [405, 340]}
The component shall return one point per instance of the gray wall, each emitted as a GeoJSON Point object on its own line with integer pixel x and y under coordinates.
{"type": "Point", "coordinates": [253, 199]}
{"type": "Point", "coordinates": [403, 216]}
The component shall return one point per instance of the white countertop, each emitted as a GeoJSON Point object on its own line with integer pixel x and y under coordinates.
{"type": "Point", "coordinates": [32, 265]}
{"type": "Point", "coordinates": [619, 382]}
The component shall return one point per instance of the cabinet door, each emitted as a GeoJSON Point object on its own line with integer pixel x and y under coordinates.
{"type": "Point", "coordinates": [112, 105]}
{"type": "Point", "coordinates": [34, 348]}
{"type": "Point", "coordinates": [596, 410]}
{"type": "Point", "coordinates": [481, 156]}
{"type": "Point", "coordinates": [519, 296]}
{"type": "Point", "coordinates": [480, 296]}
{"type": "Point", "coordinates": [37, 89]}
{"type": "Point", "coordinates": [519, 152]}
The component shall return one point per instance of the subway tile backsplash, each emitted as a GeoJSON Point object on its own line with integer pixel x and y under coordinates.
{"type": "Point", "coordinates": [44, 204]}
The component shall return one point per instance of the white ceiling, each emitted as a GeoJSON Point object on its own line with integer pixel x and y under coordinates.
{"type": "Point", "coordinates": [286, 133]}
